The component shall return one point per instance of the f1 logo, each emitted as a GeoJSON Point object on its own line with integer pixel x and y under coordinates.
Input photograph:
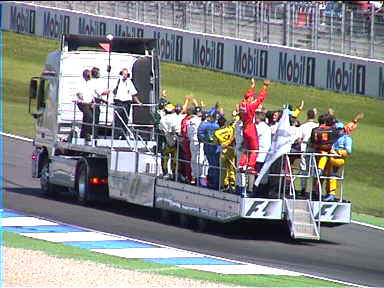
{"type": "Point", "coordinates": [257, 206]}
{"type": "Point", "coordinates": [326, 211]}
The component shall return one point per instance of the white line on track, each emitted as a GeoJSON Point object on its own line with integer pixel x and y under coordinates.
{"type": "Point", "coordinates": [16, 137]}
{"type": "Point", "coordinates": [368, 225]}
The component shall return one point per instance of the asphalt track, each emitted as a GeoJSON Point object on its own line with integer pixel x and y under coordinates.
{"type": "Point", "coordinates": [351, 253]}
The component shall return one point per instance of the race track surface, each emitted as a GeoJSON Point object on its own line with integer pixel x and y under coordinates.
{"type": "Point", "coordinates": [351, 253]}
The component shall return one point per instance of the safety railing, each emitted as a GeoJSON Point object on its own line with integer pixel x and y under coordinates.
{"type": "Point", "coordinates": [282, 174]}
{"type": "Point", "coordinates": [108, 129]}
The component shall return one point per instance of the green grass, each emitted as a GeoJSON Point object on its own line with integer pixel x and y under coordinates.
{"type": "Point", "coordinates": [24, 57]}
{"type": "Point", "coordinates": [372, 220]}
{"type": "Point", "coordinates": [64, 251]}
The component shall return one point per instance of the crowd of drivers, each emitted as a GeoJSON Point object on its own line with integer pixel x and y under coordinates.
{"type": "Point", "coordinates": [201, 147]}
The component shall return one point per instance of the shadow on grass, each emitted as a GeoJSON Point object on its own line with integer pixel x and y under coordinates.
{"type": "Point", "coordinates": [259, 230]}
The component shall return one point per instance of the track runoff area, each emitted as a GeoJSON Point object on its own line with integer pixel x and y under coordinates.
{"type": "Point", "coordinates": [115, 245]}
{"type": "Point", "coordinates": [124, 247]}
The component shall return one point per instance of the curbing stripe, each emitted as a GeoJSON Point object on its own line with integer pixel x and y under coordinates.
{"type": "Point", "coordinates": [242, 267]}
{"type": "Point", "coordinates": [368, 225]}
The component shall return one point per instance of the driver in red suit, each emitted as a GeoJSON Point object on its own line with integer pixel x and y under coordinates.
{"type": "Point", "coordinates": [247, 111]}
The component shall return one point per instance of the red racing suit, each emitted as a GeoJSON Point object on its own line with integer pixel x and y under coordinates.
{"type": "Point", "coordinates": [251, 139]}
{"type": "Point", "coordinates": [187, 171]}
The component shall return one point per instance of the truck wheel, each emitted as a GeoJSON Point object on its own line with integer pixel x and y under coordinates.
{"type": "Point", "coordinates": [201, 225]}
{"type": "Point", "coordinates": [165, 216]}
{"type": "Point", "coordinates": [47, 188]}
{"type": "Point", "coordinates": [184, 220]}
{"type": "Point", "coordinates": [82, 187]}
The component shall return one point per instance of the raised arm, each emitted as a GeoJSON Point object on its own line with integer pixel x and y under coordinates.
{"type": "Point", "coordinates": [263, 94]}
{"type": "Point", "coordinates": [186, 103]}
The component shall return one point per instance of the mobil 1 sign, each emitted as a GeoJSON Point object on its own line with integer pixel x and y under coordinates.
{"type": "Point", "coordinates": [293, 67]}
{"type": "Point", "coordinates": [346, 74]}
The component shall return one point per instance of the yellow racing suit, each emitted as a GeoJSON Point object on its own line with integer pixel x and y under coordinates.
{"type": "Point", "coordinates": [225, 137]}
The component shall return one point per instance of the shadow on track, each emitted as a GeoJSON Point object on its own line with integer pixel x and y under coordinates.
{"type": "Point", "coordinates": [260, 230]}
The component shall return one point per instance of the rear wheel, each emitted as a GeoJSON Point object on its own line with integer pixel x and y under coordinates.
{"type": "Point", "coordinates": [166, 216]}
{"type": "Point", "coordinates": [82, 184]}
{"type": "Point", "coordinates": [184, 220]}
{"type": "Point", "coordinates": [46, 186]}
{"type": "Point", "coordinates": [201, 225]}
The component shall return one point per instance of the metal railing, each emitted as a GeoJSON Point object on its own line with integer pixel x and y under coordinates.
{"type": "Point", "coordinates": [281, 175]}
{"type": "Point", "coordinates": [333, 27]}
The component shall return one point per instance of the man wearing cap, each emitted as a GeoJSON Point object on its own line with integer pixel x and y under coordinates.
{"type": "Point", "coordinates": [168, 126]}
{"type": "Point", "coordinates": [205, 134]}
{"type": "Point", "coordinates": [247, 113]}
{"type": "Point", "coordinates": [343, 148]}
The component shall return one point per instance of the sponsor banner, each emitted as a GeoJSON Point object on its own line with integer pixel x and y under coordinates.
{"type": "Point", "coordinates": [248, 60]}
{"type": "Point", "coordinates": [91, 26]}
{"type": "Point", "coordinates": [53, 24]}
{"type": "Point", "coordinates": [207, 52]}
{"type": "Point", "coordinates": [124, 29]}
{"type": "Point", "coordinates": [343, 76]}
{"type": "Point", "coordinates": [170, 44]}
{"type": "Point", "coordinates": [261, 208]}
{"type": "Point", "coordinates": [295, 68]}
{"type": "Point", "coordinates": [334, 72]}
{"type": "Point", "coordinates": [332, 211]}
{"type": "Point", "coordinates": [19, 18]}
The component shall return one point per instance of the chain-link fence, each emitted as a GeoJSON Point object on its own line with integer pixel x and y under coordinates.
{"type": "Point", "coordinates": [331, 26]}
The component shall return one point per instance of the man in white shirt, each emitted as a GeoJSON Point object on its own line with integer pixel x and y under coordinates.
{"type": "Point", "coordinates": [306, 131]}
{"type": "Point", "coordinates": [264, 133]}
{"type": "Point", "coordinates": [98, 92]}
{"type": "Point", "coordinates": [125, 92]}
{"type": "Point", "coordinates": [197, 152]}
{"type": "Point", "coordinates": [168, 126]}
{"type": "Point", "coordinates": [265, 138]}
{"type": "Point", "coordinates": [84, 102]}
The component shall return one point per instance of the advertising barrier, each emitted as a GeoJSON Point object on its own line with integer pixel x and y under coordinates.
{"type": "Point", "coordinates": [330, 71]}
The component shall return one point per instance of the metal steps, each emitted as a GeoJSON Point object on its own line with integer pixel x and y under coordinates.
{"type": "Point", "coordinates": [301, 220]}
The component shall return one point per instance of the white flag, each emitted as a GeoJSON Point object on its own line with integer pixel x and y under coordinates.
{"type": "Point", "coordinates": [281, 144]}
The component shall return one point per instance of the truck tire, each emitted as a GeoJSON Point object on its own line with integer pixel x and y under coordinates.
{"type": "Point", "coordinates": [82, 184]}
{"type": "Point", "coordinates": [47, 187]}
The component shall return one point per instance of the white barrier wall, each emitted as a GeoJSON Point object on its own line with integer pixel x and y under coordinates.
{"type": "Point", "coordinates": [324, 70]}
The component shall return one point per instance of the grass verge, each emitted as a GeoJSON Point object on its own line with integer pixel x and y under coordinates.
{"type": "Point", "coordinates": [372, 220]}
{"type": "Point", "coordinates": [63, 251]}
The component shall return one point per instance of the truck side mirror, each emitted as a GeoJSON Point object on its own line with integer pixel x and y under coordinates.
{"type": "Point", "coordinates": [33, 89]}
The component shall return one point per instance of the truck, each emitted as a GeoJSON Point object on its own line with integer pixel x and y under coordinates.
{"type": "Point", "coordinates": [129, 168]}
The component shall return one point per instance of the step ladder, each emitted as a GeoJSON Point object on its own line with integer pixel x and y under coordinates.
{"type": "Point", "coordinates": [301, 220]}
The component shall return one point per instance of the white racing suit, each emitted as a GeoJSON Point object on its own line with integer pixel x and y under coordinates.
{"type": "Point", "coordinates": [169, 124]}
{"type": "Point", "coordinates": [240, 177]}
{"type": "Point", "coordinates": [199, 162]}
